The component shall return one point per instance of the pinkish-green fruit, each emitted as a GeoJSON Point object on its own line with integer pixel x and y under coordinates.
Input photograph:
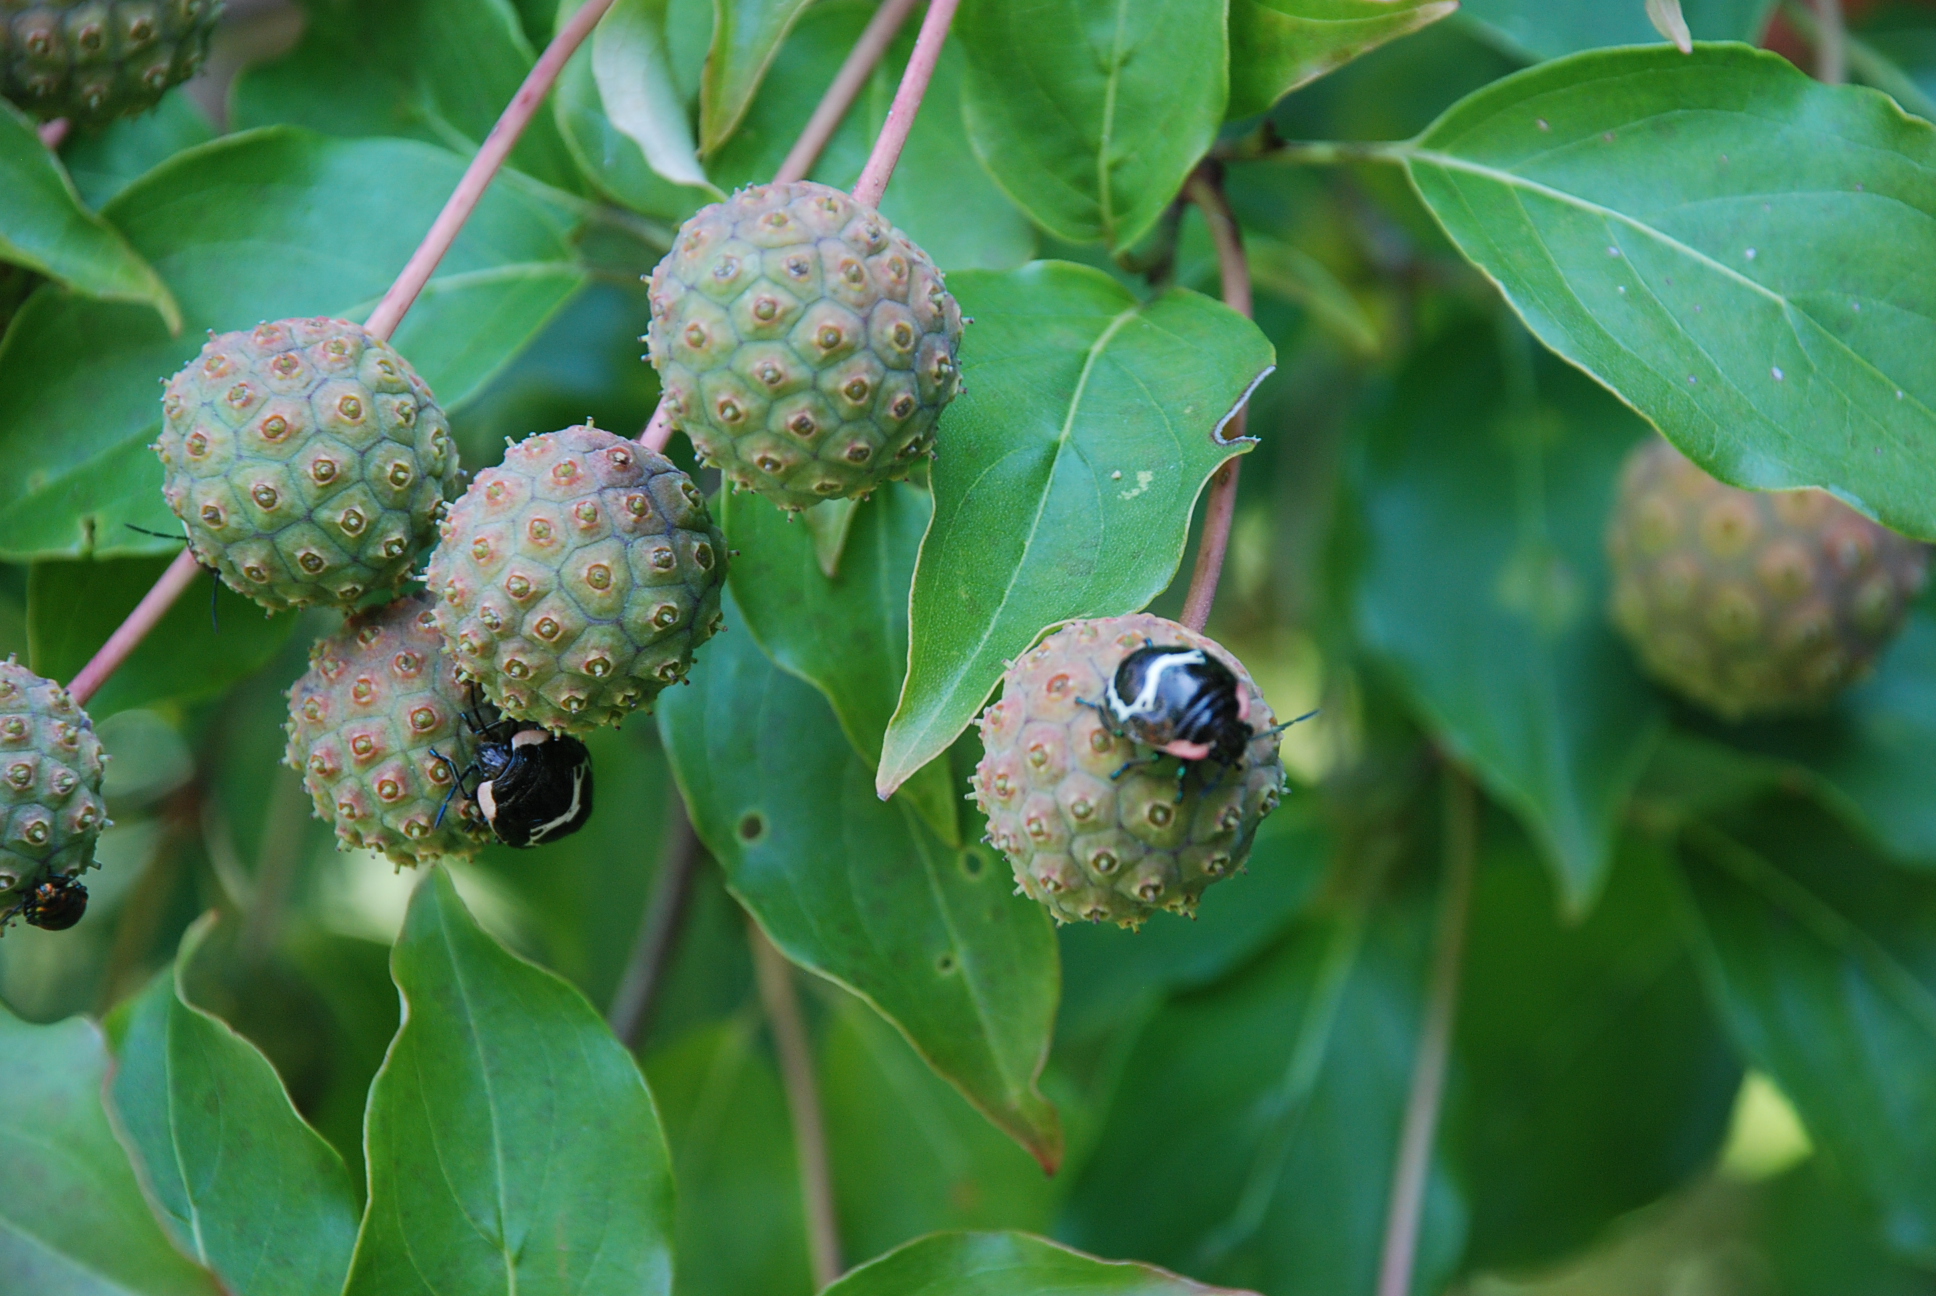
{"type": "Point", "coordinates": [95, 60]}
{"type": "Point", "coordinates": [1090, 845]}
{"type": "Point", "coordinates": [574, 580]}
{"type": "Point", "coordinates": [804, 344]}
{"type": "Point", "coordinates": [51, 810]}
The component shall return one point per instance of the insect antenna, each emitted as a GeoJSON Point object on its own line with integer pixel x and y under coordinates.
{"type": "Point", "coordinates": [1280, 728]}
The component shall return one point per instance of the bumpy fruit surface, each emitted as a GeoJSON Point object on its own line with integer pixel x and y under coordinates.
{"type": "Point", "coordinates": [575, 579]}
{"type": "Point", "coordinates": [1086, 844]}
{"type": "Point", "coordinates": [1751, 602]}
{"type": "Point", "coordinates": [804, 344]}
{"type": "Point", "coordinates": [307, 461]}
{"type": "Point", "coordinates": [94, 60]}
{"type": "Point", "coordinates": [367, 721]}
{"type": "Point", "coordinates": [50, 781]}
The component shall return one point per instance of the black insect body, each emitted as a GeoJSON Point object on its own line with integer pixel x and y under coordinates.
{"type": "Point", "coordinates": [54, 903]}
{"type": "Point", "coordinates": [1182, 702]}
{"type": "Point", "coordinates": [531, 785]}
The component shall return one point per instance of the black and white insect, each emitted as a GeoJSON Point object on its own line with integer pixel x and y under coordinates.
{"type": "Point", "coordinates": [1182, 702]}
{"type": "Point", "coordinates": [54, 903]}
{"type": "Point", "coordinates": [531, 785]}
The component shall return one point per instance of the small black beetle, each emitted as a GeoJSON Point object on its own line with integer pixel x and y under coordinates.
{"type": "Point", "coordinates": [54, 903]}
{"type": "Point", "coordinates": [531, 785]}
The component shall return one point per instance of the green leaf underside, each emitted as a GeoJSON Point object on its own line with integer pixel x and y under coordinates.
{"type": "Point", "coordinates": [1745, 256]}
{"type": "Point", "coordinates": [105, 161]}
{"type": "Point", "coordinates": [73, 1221]}
{"type": "Point", "coordinates": [1542, 29]}
{"type": "Point", "coordinates": [746, 37]}
{"type": "Point", "coordinates": [635, 86]}
{"type": "Point", "coordinates": [1002, 1264]}
{"type": "Point", "coordinates": [512, 1144]}
{"type": "Point", "coordinates": [247, 1188]}
{"type": "Point", "coordinates": [847, 634]}
{"type": "Point", "coordinates": [862, 892]}
{"type": "Point", "coordinates": [267, 225]}
{"type": "Point", "coordinates": [1068, 471]}
{"type": "Point", "coordinates": [44, 227]}
{"type": "Point", "coordinates": [1485, 588]}
{"type": "Point", "coordinates": [1278, 45]}
{"type": "Point", "coordinates": [1090, 113]}
{"type": "Point", "coordinates": [1819, 957]}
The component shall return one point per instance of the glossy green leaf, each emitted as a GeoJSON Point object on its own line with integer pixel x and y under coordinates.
{"type": "Point", "coordinates": [1484, 584]}
{"type": "Point", "coordinates": [1068, 471]}
{"type": "Point", "coordinates": [1278, 45]}
{"type": "Point", "coordinates": [1594, 1077]}
{"type": "Point", "coordinates": [246, 1187]}
{"type": "Point", "coordinates": [104, 161]}
{"type": "Point", "coordinates": [209, 639]}
{"type": "Point", "coordinates": [635, 86]}
{"type": "Point", "coordinates": [44, 227]}
{"type": "Point", "coordinates": [73, 1221]}
{"type": "Point", "coordinates": [1274, 1158]}
{"type": "Point", "coordinates": [607, 156]}
{"type": "Point", "coordinates": [862, 892]}
{"type": "Point", "coordinates": [746, 36]}
{"type": "Point", "coordinates": [1821, 962]}
{"type": "Point", "coordinates": [512, 1144]}
{"type": "Point", "coordinates": [1742, 254]}
{"type": "Point", "coordinates": [263, 225]}
{"type": "Point", "coordinates": [1544, 29]}
{"type": "Point", "coordinates": [1005, 1264]}
{"type": "Point", "coordinates": [845, 635]}
{"type": "Point", "coordinates": [1091, 113]}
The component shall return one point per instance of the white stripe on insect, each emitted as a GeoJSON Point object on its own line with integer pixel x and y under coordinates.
{"type": "Point", "coordinates": [1152, 681]}
{"type": "Point", "coordinates": [577, 785]}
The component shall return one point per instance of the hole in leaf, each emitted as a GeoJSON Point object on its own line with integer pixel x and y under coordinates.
{"type": "Point", "coordinates": [945, 965]}
{"type": "Point", "coordinates": [752, 827]}
{"type": "Point", "coordinates": [971, 863]}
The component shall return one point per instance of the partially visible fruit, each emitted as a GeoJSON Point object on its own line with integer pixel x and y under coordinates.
{"type": "Point", "coordinates": [804, 344]}
{"type": "Point", "coordinates": [1094, 827]}
{"type": "Point", "coordinates": [50, 783]}
{"type": "Point", "coordinates": [307, 461]}
{"type": "Point", "coordinates": [95, 60]}
{"type": "Point", "coordinates": [375, 728]}
{"type": "Point", "coordinates": [575, 579]}
{"type": "Point", "coordinates": [1751, 602]}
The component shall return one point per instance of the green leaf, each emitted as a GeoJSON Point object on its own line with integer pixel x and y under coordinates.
{"type": "Point", "coordinates": [1005, 1264]}
{"type": "Point", "coordinates": [1484, 584]}
{"type": "Point", "coordinates": [201, 646]}
{"type": "Point", "coordinates": [1278, 45]}
{"type": "Point", "coordinates": [1274, 1158]}
{"type": "Point", "coordinates": [1295, 275]}
{"type": "Point", "coordinates": [512, 1143]}
{"type": "Point", "coordinates": [105, 161]}
{"type": "Point", "coordinates": [746, 36]}
{"type": "Point", "coordinates": [862, 892]}
{"type": "Point", "coordinates": [1820, 960]}
{"type": "Point", "coordinates": [1090, 114]}
{"type": "Point", "coordinates": [264, 225]}
{"type": "Point", "coordinates": [44, 227]}
{"type": "Point", "coordinates": [1742, 254]}
{"type": "Point", "coordinates": [246, 1187]}
{"type": "Point", "coordinates": [1541, 29]}
{"type": "Point", "coordinates": [635, 86]}
{"type": "Point", "coordinates": [1595, 1077]}
{"type": "Point", "coordinates": [1069, 469]}
{"type": "Point", "coordinates": [846, 635]}
{"type": "Point", "coordinates": [73, 1221]}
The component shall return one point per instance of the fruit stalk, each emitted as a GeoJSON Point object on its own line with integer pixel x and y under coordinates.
{"type": "Point", "coordinates": [907, 102]}
{"type": "Point", "coordinates": [638, 988]}
{"type": "Point", "coordinates": [1205, 189]}
{"type": "Point", "coordinates": [846, 87]}
{"type": "Point", "coordinates": [483, 169]}
{"type": "Point", "coordinates": [153, 606]}
{"type": "Point", "coordinates": [54, 133]}
{"type": "Point", "coordinates": [1434, 1040]}
{"type": "Point", "coordinates": [781, 1000]}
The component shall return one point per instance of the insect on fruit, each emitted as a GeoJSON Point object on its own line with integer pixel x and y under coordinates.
{"type": "Point", "coordinates": [532, 786]}
{"type": "Point", "coordinates": [54, 903]}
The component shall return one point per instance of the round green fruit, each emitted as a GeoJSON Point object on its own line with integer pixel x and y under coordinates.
{"type": "Point", "coordinates": [51, 808]}
{"type": "Point", "coordinates": [95, 60]}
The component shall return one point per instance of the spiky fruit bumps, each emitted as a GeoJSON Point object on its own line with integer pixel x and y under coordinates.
{"type": "Point", "coordinates": [1085, 843]}
{"type": "Point", "coordinates": [367, 722]}
{"type": "Point", "coordinates": [575, 580]}
{"type": "Point", "coordinates": [307, 461]}
{"type": "Point", "coordinates": [1751, 602]}
{"type": "Point", "coordinates": [804, 344]}
{"type": "Point", "coordinates": [95, 60]}
{"type": "Point", "coordinates": [50, 781]}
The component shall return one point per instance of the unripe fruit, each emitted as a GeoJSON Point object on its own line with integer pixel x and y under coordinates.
{"type": "Point", "coordinates": [51, 810]}
{"type": "Point", "coordinates": [368, 722]}
{"type": "Point", "coordinates": [95, 60]}
{"type": "Point", "coordinates": [308, 462]}
{"type": "Point", "coordinates": [804, 344]}
{"type": "Point", "coordinates": [1086, 843]}
{"type": "Point", "coordinates": [1751, 602]}
{"type": "Point", "coordinates": [575, 580]}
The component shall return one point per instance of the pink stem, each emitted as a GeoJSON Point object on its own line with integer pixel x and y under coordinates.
{"type": "Point", "coordinates": [907, 102]}
{"type": "Point", "coordinates": [477, 177]}
{"type": "Point", "coordinates": [53, 133]}
{"type": "Point", "coordinates": [1205, 189]}
{"type": "Point", "coordinates": [846, 87]}
{"type": "Point", "coordinates": [153, 607]}
{"type": "Point", "coordinates": [658, 432]}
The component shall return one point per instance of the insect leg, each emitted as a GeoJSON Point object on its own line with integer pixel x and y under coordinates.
{"type": "Point", "coordinates": [456, 785]}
